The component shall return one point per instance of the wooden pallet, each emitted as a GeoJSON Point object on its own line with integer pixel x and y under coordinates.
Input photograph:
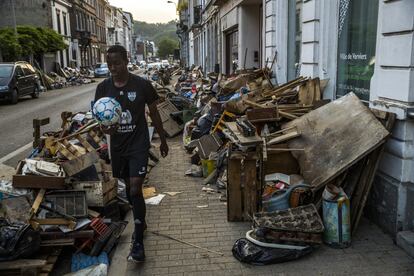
{"type": "Point", "coordinates": [41, 266]}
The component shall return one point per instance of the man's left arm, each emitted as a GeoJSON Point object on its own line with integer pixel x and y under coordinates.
{"type": "Point", "coordinates": [156, 120]}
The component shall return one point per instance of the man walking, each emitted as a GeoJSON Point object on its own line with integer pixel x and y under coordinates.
{"type": "Point", "coordinates": [130, 139]}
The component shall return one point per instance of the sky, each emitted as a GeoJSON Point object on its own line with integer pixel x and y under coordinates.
{"type": "Point", "coordinates": [151, 11]}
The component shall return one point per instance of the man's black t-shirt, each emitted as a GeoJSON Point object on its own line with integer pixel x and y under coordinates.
{"type": "Point", "coordinates": [132, 135]}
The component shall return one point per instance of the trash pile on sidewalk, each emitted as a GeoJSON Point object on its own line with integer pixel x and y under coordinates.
{"type": "Point", "coordinates": [62, 195]}
{"type": "Point", "coordinates": [64, 77]}
{"type": "Point", "coordinates": [299, 167]}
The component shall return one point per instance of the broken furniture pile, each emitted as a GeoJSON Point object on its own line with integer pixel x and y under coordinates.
{"type": "Point", "coordinates": [63, 77]}
{"type": "Point", "coordinates": [62, 195]}
{"type": "Point", "coordinates": [277, 148]}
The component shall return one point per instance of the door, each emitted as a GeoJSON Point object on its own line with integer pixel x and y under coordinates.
{"type": "Point", "coordinates": [30, 78]}
{"type": "Point", "coordinates": [232, 51]}
{"type": "Point", "coordinates": [21, 81]}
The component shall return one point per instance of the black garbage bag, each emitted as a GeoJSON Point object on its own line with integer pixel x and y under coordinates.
{"type": "Point", "coordinates": [17, 241]}
{"type": "Point", "coordinates": [247, 252]}
{"type": "Point", "coordinates": [203, 127]}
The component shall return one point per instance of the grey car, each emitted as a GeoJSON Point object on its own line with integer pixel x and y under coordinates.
{"type": "Point", "coordinates": [101, 70]}
{"type": "Point", "coordinates": [18, 79]}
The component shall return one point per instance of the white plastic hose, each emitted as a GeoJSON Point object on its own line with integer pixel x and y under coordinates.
{"type": "Point", "coordinates": [272, 245]}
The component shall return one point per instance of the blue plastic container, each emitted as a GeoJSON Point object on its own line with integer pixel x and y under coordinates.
{"type": "Point", "coordinates": [281, 202]}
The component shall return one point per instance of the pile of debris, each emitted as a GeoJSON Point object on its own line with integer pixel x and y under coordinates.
{"type": "Point", "coordinates": [64, 77]}
{"type": "Point", "coordinates": [62, 195]}
{"type": "Point", "coordinates": [278, 149]}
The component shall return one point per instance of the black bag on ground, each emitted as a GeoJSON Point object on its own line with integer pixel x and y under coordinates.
{"type": "Point", "coordinates": [247, 252]}
{"type": "Point", "coordinates": [17, 241]}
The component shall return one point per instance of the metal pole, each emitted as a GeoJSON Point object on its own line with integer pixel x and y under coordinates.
{"type": "Point", "coordinates": [13, 16]}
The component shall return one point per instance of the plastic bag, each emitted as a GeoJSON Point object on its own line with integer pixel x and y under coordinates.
{"type": "Point", "coordinates": [247, 252]}
{"type": "Point", "coordinates": [17, 241]}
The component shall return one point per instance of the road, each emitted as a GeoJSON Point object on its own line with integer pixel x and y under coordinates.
{"type": "Point", "coordinates": [16, 121]}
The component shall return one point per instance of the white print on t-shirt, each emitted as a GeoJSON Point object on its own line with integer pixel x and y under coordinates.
{"type": "Point", "coordinates": [142, 171]}
{"type": "Point", "coordinates": [132, 95]}
{"type": "Point", "coordinates": [126, 118]}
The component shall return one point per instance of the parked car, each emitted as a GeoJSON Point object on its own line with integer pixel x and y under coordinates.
{"type": "Point", "coordinates": [153, 65]}
{"type": "Point", "coordinates": [165, 63]}
{"type": "Point", "coordinates": [101, 70]}
{"type": "Point", "coordinates": [18, 79]}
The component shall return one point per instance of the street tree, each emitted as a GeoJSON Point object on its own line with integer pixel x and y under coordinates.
{"type": "Point", "coordinates": [166, 47]}
{"type": "Point", "coordinates": [29, 41]}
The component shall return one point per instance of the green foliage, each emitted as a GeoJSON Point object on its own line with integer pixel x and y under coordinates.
{"type": "Point", "coordinates": [9, 45]}
{"type": "Point", "coordinates": [29, 40]}
{"type": "Point", "coordinates": [157, 32]}
{"type": "Point", "coordinates": [166, 47]}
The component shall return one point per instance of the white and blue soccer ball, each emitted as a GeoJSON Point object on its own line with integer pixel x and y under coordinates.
{"type": "Point", "coordinates": [107, 111]}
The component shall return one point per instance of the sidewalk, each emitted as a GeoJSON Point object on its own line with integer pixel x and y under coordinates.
{"type": "Point", "coordinates": [372, 252]}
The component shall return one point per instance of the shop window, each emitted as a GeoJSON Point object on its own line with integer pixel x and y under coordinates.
{"type": "Point", "coordinates": [356, 46]}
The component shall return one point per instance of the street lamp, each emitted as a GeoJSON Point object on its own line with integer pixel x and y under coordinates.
{"type": "Point", "coordinates": [172, 2]}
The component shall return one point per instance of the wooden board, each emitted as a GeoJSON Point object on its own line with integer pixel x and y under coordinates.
{"type": "Point", "coordinates": [36, 181]}
{"type": "Point", "coordinates": [234, 194]}
{"type": "Point", "coordinates": [244, 141]}
{"type": "Point", "coordinates": [371, 163]}
{"type": "Point", "coordinates": [74, 166]}
{"type": "Point", "coordinates": [22, 264]}
{"type": "Point", "coordinates": [243, 186]}
{"type": "Point", "coordinates": [280, 162]}
{"type": "Point", "coordinates": [170, 126]}
{"type": "Point", "coordinates": [335, 137]}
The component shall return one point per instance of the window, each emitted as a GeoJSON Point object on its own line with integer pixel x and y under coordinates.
{"type": "Point", "coordinates": [5, 71]}
{"type": "Point", "coordinates": [356, 46]}
{"type": "Point", "coordinates": [294, 38]}
{"type": "Point", "coordinates": [58, 20]}
{"type": "Point", "coordinates": [19, 71]}
{"type": "Point", "coordinates": [77, 21]}
{"type": "Point", "coordinates": [65, 25]}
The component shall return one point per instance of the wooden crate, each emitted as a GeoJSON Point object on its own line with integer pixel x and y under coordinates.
{"type": "Point", "coordinates": [98, 193]}
{"type": "Point", "coordinates": [243, 186]}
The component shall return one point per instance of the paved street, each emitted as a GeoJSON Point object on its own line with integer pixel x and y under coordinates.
{"type": "Point", "coordinates": [16, 121]}
{"type": "Point", "coordinates": [372, 252]}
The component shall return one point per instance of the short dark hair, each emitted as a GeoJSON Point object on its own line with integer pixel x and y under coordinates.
{"type": "Point", "coordinates": [118, 49]}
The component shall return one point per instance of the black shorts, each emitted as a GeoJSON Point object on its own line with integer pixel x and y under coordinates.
{"type": "Point", "coordinates": [128, 166]}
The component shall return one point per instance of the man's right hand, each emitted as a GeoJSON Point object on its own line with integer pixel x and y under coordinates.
{"type": "Point", "coordinates": [109, 129]}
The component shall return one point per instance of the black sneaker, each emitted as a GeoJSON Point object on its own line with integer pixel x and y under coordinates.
{"type": "Point", "coordinates": [137, 254]}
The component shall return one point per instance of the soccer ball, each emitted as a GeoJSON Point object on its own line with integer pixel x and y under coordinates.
{"type": "Point", "coordinates": [107, 111]}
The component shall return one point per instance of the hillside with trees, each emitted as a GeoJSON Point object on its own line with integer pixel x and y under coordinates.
{"type": "Point", "coordinates": [156, 31]}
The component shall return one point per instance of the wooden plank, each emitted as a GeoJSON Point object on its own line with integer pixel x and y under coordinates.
{"type": "Point", "coordinates": [281, 162]}
{"type": "Point", "coordinates": [317, 90]}
{"type": "Point", "coordinates": [287, 115]}
{"type": "Point", "coordinates": [335, 137]}
{"type": "Point", "coordinates": [85, 143]}
{"type": "Point", "coordinates": [283, 138]}
{"type": "Point", "coordinates": [262, 114]}
{"type": "Point", "coordinates": [22, 264]}
{"type": "Point", "coordinates": [170, 126]}
{"type": "Point", "coordinates": [250, 189]}
{"type": "Point", "coordinates": [374, 160]}
{"type": "Point", "coordinates": [38, 182]}
{"type": "Point", "coordinates": [78, 164]}
{"type": "Point", "coordinates": [234, 193]}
